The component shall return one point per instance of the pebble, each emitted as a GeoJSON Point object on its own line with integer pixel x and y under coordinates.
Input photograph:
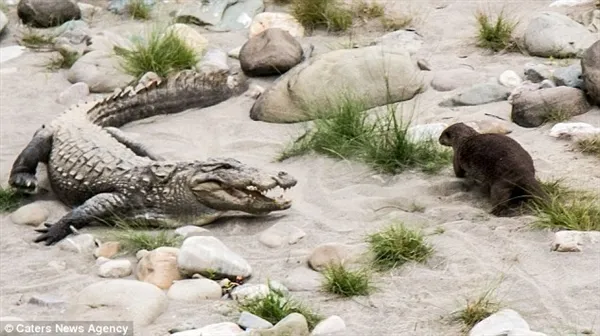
{"type": "Point", "coordinates": [572, 241]}
{"type": "Point", "coordinates": [115, 269]}
{"type": "Point", "coordinates": [80, 243]}
{"type": "Point", "coordinates": [107, 249]}
{"type": "Point", "coordinates": [423, 65]}
{"type": "Point", "coordinates": [569, 130]}
{"type": "Point", "coordinates": [191, 231]}
{"type": "Point", "coordinates": [510, 79]}
{"type": "Point", "coordinates": [32, 214]}
{"type": "Point", "coordinates": [217, 329]}
{"type": "Point", "coordinates": [254, 91]}
{"type": "Point", "coordinates": [478, 94]}
{"type": "Point", "coordinates": [280, 234]}
{"type": "Point", "coordinates": [294, 324]}
{"type": "Point", "coordinates": [328, 254]}
{"type": "Point", "coordinates": [499, 323]}
{"type": "Point", "coordinates": [101, 260]}
{"type": "Point", "coordinates": [536, 72]}
{"type": "Point", "coordinates": [251, 291]}
{"type": "Point", "coordinates": [569, 76]}
{"type": "Point", "coordinates": [46, 300]}
{"type": "Point", "coordinates": [8, 53]}
{"type": "Point", "coordinates": [524, 332]}
{"type": "Point", "coordinates": [73, 94]}
{"type": "Point", "coordinates": [332, 324]}
{"type": "Point", "coordinates": [547, 84]}
{"type": "Point", "coordinates": [208, 255]}
{"type": "Point", "coordinates": [267, 20]}
{"type": "Point", "coordinates": [158, 267]}
{"type": "Point", "coordinates": [250, 321]}
{"type": "Point", "coordinates": [194, 290]}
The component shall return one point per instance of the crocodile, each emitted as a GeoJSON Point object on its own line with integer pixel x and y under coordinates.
{"type": "Point", "coordinates": [102, 173]}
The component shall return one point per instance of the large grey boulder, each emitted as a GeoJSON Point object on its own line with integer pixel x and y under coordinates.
{"type": "Point", "coordinates": [3, 21]}
{"type": "Point", "coordinates": [533, 108]}
{"type": "Point", "coordinates": [554, 34]}
{"type": "Point", "coordinates": [590, 68]}
{"type": "Point", "coordinates": [272, 52]}
{"type": "Point", "coordinates": [378, 75]}
{"type": "Point", "coordinates": [100, 70]}
{"type": "Point", "coordinates": [47, 13]}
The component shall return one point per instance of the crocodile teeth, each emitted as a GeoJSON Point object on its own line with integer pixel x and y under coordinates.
{"type": "Point", "coordinates": [252, 188]}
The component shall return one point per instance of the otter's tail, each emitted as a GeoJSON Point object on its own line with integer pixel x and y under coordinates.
{"type": "Point", "coordinates": [533, 189]}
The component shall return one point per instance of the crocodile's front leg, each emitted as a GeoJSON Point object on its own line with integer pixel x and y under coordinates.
{"type": "Point", "coordinates": [137, 147]}
{"type": "Point", "coordinates": [96, 208]}
{"type": "Point", "coordinates": [22, 176]}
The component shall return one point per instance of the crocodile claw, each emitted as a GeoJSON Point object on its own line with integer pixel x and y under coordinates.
{"type": "Point", "coordinates": [24, 182]}
{"type": "Point", "coordinates": [51, 234]}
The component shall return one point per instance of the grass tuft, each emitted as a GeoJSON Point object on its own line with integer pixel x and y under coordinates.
{"type": "Point", "coordinates": [133, 239]}
{"type": "Point", "coordinates": [393, 23]}
{"type": "Point", "coordinates": [276, 305]}
{"type": "Point", "coordinates": [9, 199]}
{"type": "Point", "coordinates": [345, 131]}
{"type": "Point", "coordinates": [160, 53]}
{"type": "Point", "coordinates": [368, 10]}
{"type": "Point", "coordinates": [589, 145]}
{"type": "Point", "coordinates": [35, 40]}
{"type": "Point", "coordinates": [344, 282]}
{"type": "Point", "coordinates": [64, 60]}
{"type": "Point", "coordinates": [557, 115]}
{"type": "Point", "coordinates": [477, 310]}
{"type": "Point", "coordinates": [329, 14]}
{"type": "Point", "coordinates": [138, 10]}
{"type": "Point", "coordinates": [495, 34]}
{"type": "Point", "coordinates": [397, 245]}
{"type": "Point", "coordinates": [567, 209]}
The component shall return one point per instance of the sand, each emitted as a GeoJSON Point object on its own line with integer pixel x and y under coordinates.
{"type": "Point", "coordinates": [335, 201]}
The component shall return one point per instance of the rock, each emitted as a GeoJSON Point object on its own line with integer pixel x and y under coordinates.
{"type": "Point", "coordinates": [194, 290]}
{"type": "Point", "coordinates": [106, 41]}
{"type": "Point", "coordinates": [490, 126]}
{"type": "Point", "coordinates": [209, 256]}
{"type": "Point", "coordinates": [118, 300]}
{"type": "Point", "coordinates": [191, 231]}
{"type": "Point", "coordinates": [182, 327]}
{"type": "Point", "coordinates": [591, 20]}
{"type": "Point", "coordinates": [88, 11]}
{"type": "Point", "coordinates": [115, 269]}
{"type": "Point", "coordinates": [536, 73]}
{"type": "Point", "coordinates": [107, 250]}
{"type": "Point", "coordinates": [524, 332]}
{"type": "Point", "coordinates": [32, 214]}
{"type": "Point", "coordinates": [141, 253]}
{"type": "Point", "coordinates": [159, 267]}
{"type": "Point", "coordinates": [280, 234]}
{"type": "Point", "coordinates": [3, 21]}
{"type": "Point", "coordinates": [283, 21]}
{"type": "Point", "coordinates": [478, 94]}
{"type": "Point", "coordinates": [220, 15]}
{"type": "Point", "coordinates": [46, 300]}
{"type": "Point", "coordinates": [448, 80]}
{"type": "Point", "coordinates": [590, 67]}
{"type": "Point", "coordinates": [571, 130]}
{"type": "Point", "coordinates": [569, 76]}
{"type": "Point", "coordinates": [540, 38]}
{"type": "Point", "coordinates": [254, 91]}
{"type": "Point", "coordinates": [407, 40]}
{"type": "Point", "coordinates": [426, 132]}
{"type": "Point", "coordinates": [217, 329]}
{"type": "Point", "coordinates": [46, 14]}
{"type": "Point", "coordinates": [73, 94]}
{"type": "Point", "coordinates": [81, 243]}
{"type": "Point", "coordinates": [356, 71]}
{"type": "Point", "coordinates": [423, 65]}
{"type": "Point", "coordinates": [119, 6]}
{"type": "Point", "coordinates": [571, 241]}
{"type": "Point", "coordinates": [510, 79]}
{"type": "Point", "coordinates": [100, 71]}
{"type": "Point", "coordinates": [499, 324]}
{"type": "Point", "coordinates": [8, 53]}
{"type": "Point", "coordinates": [248, 320]}
{"type": "Point", "coordinates": [213, 61]}
{"type": "Point", "coordinates": [101, 260]}
{"type": "Point", "coordinates": [235, 52]}
{"type": "Point", "coordinates": [330, 325]}
{"type": "Point", "coordinates": [302, 279]}
{"type": "Point", "coordinates": [546, 84]}
{"type": "Point", "coordinates": [190, 36]}
{"type": "Point", "coordinates": [272, 52]}
{"type": "Point", "coordinates": [292, 325]}
{"type": "Point", "coordinates": [532, 108]}
{"type": "Point", "coordinates": [73, 32]}
{"type": "Point", "coordinates": [250, 291]}
{"type": "Point", "coordinates": [327, 254]}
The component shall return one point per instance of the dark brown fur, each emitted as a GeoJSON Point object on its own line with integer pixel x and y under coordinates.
{"type": "Point", "coordinates": [496, 161]}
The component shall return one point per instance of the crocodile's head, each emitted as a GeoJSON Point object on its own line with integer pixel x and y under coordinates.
{"type": "Point", "coordinates": [229, 185]}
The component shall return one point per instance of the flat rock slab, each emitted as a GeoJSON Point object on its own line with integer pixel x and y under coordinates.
{"type": "Point", "coordinates": [532, 108]}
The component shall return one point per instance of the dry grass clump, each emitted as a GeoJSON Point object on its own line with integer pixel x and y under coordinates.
{"type": "Point", "coordinates": [345, 282]}
{"type": "Point", "coordinates": [477, 310]}
{"type": "Point", "coordinates": [589, 145]}
{"type": "Point", "coordinates": [64, 60]}
{"type": "Point", "coordinates": [34, 39]}
{"type": "Point", "coordinates": [138, 10]}
{"type": "Point", "coordinates": [329, 14]}
{"type": "Point", "coordinates": [397, 245]}
{"type": "Point", "coordinates": [161, 53]}
{"type": "Point", "coordinates": [495, 33]}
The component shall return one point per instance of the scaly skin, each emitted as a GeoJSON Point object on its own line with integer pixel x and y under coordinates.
{"type": "Point", "coordinates": [102, 174]}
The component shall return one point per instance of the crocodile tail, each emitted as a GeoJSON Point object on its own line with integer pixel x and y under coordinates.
{"type": "Point", "coordinates": [187, 89]}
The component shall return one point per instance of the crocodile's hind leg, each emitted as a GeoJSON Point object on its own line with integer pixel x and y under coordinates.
{"type": "Point", "coordinates": [137, 147]}
{"type": "Point", "coordinates": [22, 176]}
{"type": "Point", "coordinates": [98, 207]}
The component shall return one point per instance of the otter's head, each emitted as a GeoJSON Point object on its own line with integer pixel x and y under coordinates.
{"type": "Point", "coordinates": [455, 134]}
{"type": "Point", "coordinates": [229, 185]}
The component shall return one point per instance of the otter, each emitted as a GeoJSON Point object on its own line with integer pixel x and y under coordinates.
{"type": "Point", "coordinates": [496, 161]}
